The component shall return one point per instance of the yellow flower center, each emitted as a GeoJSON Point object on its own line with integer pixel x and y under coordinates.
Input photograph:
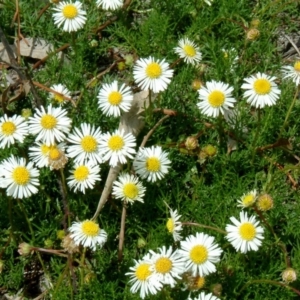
{"type": "Point", "coordinates": [89, 143]}
{"type": "Point", "coordinates": [90, 228]}
{"type": "Point", "coordinates": [142, 272]}
{"type": "Point", "coordinates": [48, 122]}
{"type": "Point", "coordinates": [8, 128]}
{"type": "Point", "coordinates": [153, 164]}
{"type": "Point", "coordinates": [153, 70]}
{"type": "Point", "coordinates": [247, 231]}
{"type": "Point", "coordinates": [163, 265]}
{"type": "Point", "coordinates": [70, 11]}
{"type": "Point", "coordinates": [54, 153]}
{"type": "Point", "coordinates": [248, 200]}
{"type": "Point", "coordinates": [170, 225]}
{"type": "Point", "coordinates": [115, 98]}
{"type": "Point", "coordinates": [130, 190]}
{"type": "Point", "coordinates": [216, 98]}
{"type": "Point", "coordinates": [59, 98]}
{"type": "Point", "coordinates": [199, 254]}
{"type": "Point", "coordinates": [297, 66]}
{"type": "Point", "coordinates": [21, 175]}
{"type": "Point", "coordinates": [44, 149]}
{"type": "Point", "coordinates": [189, 50]}
{"type": "Point", "coordinates": [262, 86]}
{"type": "Point", "coordinates": [81, 173]}
{"type": "Point", "coordinates": [116, 143]}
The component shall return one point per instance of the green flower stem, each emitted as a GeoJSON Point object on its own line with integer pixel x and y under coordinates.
{"type": "Point", "coordinates": [204, 226]}
{"type": "Point", "coordinates": [65, 200]}
{"type": "Point", "coordinates": [12, 230]}
{"type": "Point", "coordinates": [27, 219]}
{"type": "Point", "coordinates": [273, 282]}
{"type": "Point", "coordinates": [256, 134]}
{"type": "Point", "coordinates": [122, 233]}
{"type": "Point", "coordinates": [263, 219]}
{"type": "Point", "coordinates": [289, 112]}
{"type": "Point", "coordinates": [81, 269]}
{"type": "Point", "coordinates": [32, 238]}
{"type": "Point", "coordinates": [278, 242]}
{"type": "Point", "coordinates": [221, 131]}
{"type": "Point", "coordinates": [59, 281]}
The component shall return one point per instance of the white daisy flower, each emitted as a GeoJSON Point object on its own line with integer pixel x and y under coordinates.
{"type": "Point", "coordinates": [110, 4]}
{"type": "Point", "coordinates": [117, 147]}
{"type": "Point", "coordinates": [86, 146]}
{"type": "Point", "coordinates": [71, 15]}
{"type": "Point", "coordinates": [167, 265]}
{"type": "Point", "coordinates": [128, 188]}
{"type": "Point", "coordinates": [292, 72]}
{"type": "Point", "coordinates": [143, 279]}
{"type": "Point", "coordinates": [200, 254]}
{"type": "Point", "coordinates": [248, 199]}
{"type": "Point", "coordinates": [151, 163]}
{"type": "Point", "coordinates": [84, 176]}
{"type": "Point", "coordinates": [19, 179]}
{"type": "Point", "coordinates": [244, 235]}
{"type": "Point", "coordinates": [62, 91]}
{"type": "Point", "coordinates": [215, 98]}
{"type": "Point", "coordinates": [40, 153]}
{"type": "Point", "coordinates": [12, 129]}
{"type": "Point", "coordinates": [88, 234]}
{"type": "Point", "coordinates": [203, 296]}
{"type": "Point", "coordinates": [152, 74]}
{"type": "Point", "coordinates": [51, 126]}
{"type": "Point", "coordinates": [174, 226]}
{"type": "Point", "coordinates": [112, 99]}
{"type": "Point", "coordinates": [261, 90]}
{"type": "Point", "coordinates": [188, 51]}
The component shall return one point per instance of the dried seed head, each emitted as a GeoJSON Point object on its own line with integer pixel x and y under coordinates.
{"type": "Point", "coordinates": [252, 34]}
{"type": "Point", "coordinates": [191, 143]}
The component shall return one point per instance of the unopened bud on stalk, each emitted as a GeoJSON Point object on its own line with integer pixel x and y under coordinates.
{"type": "Point", "coordinates": [191, 143]}
{"type": "Point", "coordinates": [252, 34]}
{"type": "Point", "coordinates": [25, 249]}
{"type": "Point", "coordinates": [289, 275]}
{"type": "Point", "coordinates": [264, 202]}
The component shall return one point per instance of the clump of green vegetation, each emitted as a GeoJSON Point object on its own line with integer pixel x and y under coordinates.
{"type": "Point", "coordinates": [149, 149]}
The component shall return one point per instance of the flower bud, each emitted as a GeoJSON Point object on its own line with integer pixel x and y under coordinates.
{"type": "Point", "coordinates": [264, 202]}
{"type": "Point", "coordinates": [69, 245]}
{"type": "Point", "coordinates": [94, 43]}
{"type": "Point", "coordinates": [252, 34]}
{"type": "Point", "coordinates": [141, 243]}
{"type": "Point", "coordinates": [26, 113]}
{"type": "Point", "coordinates": [197, 84]}
{"type": "Point", "coordinates": [210, 150]}
{"type": "Point", "coordinates": [60, 234]}
{"type": "Point", "coordinates": [255, 23]}
{"type": "Point", "coordinates": [289, 275]}
{"type": "Point", "coordinates": [25, 249]}
{"type": "Point", "coordinates": [48, 243]}
{"type": "Point", "coordinates": [191, 143]}
{"type": "Point", "coordinates": [216, 289]}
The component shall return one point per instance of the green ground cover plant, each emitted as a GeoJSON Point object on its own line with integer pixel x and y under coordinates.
{"type": "Point", "coordinates": [149, 149]}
